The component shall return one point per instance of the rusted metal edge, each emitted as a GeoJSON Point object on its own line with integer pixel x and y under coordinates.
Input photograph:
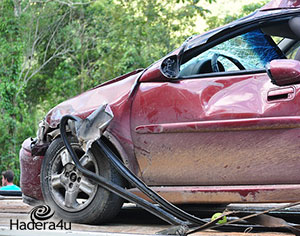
{"type": "Point", "coordinates": [263, 123]}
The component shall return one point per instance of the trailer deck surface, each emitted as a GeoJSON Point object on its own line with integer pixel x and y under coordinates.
{"type": "Point", "coordinates": [133, 220]}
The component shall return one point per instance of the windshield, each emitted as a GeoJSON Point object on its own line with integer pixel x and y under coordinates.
{"type": "Point", "coordinates": [249, 51]}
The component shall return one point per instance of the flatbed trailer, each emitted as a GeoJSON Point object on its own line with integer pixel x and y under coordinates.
{"type": "Point", "coordinates": [132, 220]}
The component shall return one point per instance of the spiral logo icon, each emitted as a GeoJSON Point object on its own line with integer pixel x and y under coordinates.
{"type": "Point", "coordinates": [42, 213]}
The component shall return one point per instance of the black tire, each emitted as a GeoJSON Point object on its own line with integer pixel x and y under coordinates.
{"type": "Point", "coordinates": [62, 182]}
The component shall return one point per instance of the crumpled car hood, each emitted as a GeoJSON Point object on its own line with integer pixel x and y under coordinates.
{"type": "Point", "coordinates": [110, 92]}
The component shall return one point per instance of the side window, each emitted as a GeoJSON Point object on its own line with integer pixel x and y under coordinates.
{"type": "Point", "coordinates": [249, 51]}
{"type": "Point", "coordinates": [294, 52]}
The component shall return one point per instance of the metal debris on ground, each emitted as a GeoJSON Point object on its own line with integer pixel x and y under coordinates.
{"type": "Point", "coordinates": [259, 218]}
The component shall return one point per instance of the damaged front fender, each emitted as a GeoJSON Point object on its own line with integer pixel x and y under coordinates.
{"type": "Point", "coordinates": [90, 129]}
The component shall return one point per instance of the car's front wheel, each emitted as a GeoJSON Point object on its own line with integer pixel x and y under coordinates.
{"type": "Point", "coordinates": [73, 196]}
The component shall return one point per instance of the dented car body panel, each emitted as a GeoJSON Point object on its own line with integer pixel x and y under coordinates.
{"type": "Point", "coordinates": [82, 106]}
{"type": "Point", "coordinates": [225, 125]}
{"type": "Point", "coordinates": [86, 103]}
{"type": "Point", "coordinates": [119, 101]}
{"type": "Point", "coordinates": [218, 135]}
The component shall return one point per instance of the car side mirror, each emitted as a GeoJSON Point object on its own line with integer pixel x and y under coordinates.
{"type": "Point", "coordinates": [169, 67]}
{"type": "Point", "coordinates": [284, 72]}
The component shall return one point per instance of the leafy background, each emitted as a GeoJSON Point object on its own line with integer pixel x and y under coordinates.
{"type": "Point", "coordinates": [51, 50]}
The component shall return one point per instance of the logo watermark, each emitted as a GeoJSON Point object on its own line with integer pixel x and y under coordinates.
{"type": "Point", "coordinates": [40, 220]}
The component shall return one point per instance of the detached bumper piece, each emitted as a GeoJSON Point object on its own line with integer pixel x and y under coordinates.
{"type": "Point", "coordinates": [90, 130]}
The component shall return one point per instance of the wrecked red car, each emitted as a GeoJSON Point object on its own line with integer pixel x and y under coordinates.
{"type": "Point", "coordinates": [215, 121]}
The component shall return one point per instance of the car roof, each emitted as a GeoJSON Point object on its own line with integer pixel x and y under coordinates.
{"type": "Point", "coordinates": [272, 9]}
{"type": "Point", "coordinates": [281, 4]}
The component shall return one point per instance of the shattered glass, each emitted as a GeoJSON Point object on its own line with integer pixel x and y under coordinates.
{"type": "Point", "coordinates": [253, 50]}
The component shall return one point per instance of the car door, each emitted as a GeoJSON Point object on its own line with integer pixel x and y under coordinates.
{"type": "Point", "coordinates": [226, 127]}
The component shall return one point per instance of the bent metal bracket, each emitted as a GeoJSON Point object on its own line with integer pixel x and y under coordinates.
{"type": "Point", "coordinates": [91, 129]}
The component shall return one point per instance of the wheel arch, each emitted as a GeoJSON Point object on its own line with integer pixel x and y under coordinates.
{"type": "Point", "coordinates": [109, 139]}
{"type": "Point", "coordinates": [112, 142]}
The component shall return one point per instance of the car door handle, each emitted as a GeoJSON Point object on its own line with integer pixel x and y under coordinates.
{"type": "Point", "coordinates": [281, 94]}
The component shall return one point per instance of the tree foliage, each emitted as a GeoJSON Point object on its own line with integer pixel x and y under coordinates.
{"type": "Point", "coordinates": [11, 48]}
{"type": "Point", "coordinates": [216, 21]}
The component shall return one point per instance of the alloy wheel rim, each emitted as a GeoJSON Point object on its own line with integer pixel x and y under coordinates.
{"type": "Point", "coordinates": [69, 188]}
